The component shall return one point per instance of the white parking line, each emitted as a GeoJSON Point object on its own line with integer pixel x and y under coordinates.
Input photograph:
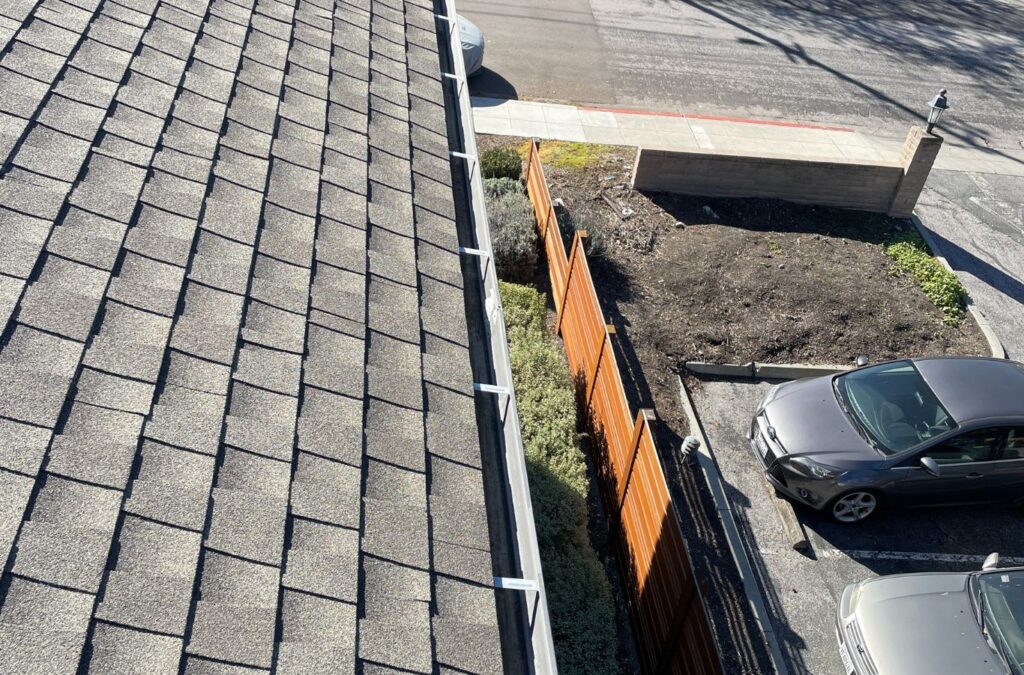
{"type": "Point", "coordinates": [833, 553]}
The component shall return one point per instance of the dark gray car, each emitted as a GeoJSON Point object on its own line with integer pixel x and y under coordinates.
{"type": "Point", "coordinates": [932, 624]}
{"type": "Point", "coordinates": [916, 432]}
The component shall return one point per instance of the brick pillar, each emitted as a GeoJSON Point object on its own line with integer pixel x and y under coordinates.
{"type": "Point", "coordinates": [917, 156]}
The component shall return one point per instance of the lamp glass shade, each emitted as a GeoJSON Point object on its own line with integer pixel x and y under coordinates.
{"type": "Point", "coordinates": [934, 114]}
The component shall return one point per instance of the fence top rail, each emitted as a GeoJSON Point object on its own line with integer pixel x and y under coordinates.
{"type": "Point", "coordinates": [535, 171]}
{"type": "Point", "coordinates": [617, 413]}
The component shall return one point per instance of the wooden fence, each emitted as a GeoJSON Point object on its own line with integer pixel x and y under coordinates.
{"type": "Point", "coordinates": [668, 616]}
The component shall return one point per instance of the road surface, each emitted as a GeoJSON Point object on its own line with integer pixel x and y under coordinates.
{"type": "Point", "coordinates": [872, 65]}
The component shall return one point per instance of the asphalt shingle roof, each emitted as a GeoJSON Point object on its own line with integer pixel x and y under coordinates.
{"type": "Point", "coordinates": [237, 424]}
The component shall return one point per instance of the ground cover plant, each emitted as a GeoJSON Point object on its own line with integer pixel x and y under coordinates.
{"type": "Point", "coordinates": [568, 154]}
{"type": "Point", "coordinates": [911, 256]}
{"type": "Point", "coordinates": [579, 595]}
{"type": "Point", "coordinates": [650, 378]}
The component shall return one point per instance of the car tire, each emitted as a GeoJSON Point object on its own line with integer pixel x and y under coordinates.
{"type": "Point", "coordinates": [854, 506]}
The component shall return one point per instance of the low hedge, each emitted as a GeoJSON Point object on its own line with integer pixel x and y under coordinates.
{"type": "Point", "coordinates": [579, 595]}
{"type": "Point", "coordinates": [499, 187]}
{"type": "Point", "coordinates": [501, 162]}
{"type": "Point", "coordinates": [513, 229]}
{"type": "Point", "coordinates": [911, 256]}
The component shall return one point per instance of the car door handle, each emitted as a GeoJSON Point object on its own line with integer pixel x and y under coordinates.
{"type": "Point", "coordinates": [975, 474]}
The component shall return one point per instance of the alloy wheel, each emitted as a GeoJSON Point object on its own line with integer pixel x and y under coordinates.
{"type": "Point", "coordinates": [854, 507]}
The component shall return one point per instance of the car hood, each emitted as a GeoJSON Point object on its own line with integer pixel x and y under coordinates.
{"type": "Point", "coordinates": [809, 422]}
{"type": "Point", "coordinates": [921, 624]}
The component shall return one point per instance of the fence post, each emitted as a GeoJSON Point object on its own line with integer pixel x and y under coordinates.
{"type": "Point", "coordinates": [532, 164]}
{"type": "Point", "coordinates": [606, 334]}
{"type": "Point", "coordinates": [644, 416]}
{"type": "Point", "coordinates": [577, 241]}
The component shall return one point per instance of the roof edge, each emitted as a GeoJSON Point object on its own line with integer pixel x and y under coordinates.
{"type": "Point", "coordinates": [538, 626]}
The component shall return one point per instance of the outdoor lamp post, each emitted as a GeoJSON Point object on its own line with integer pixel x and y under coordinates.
{"type": "Point", "coordinates": [938, 104]}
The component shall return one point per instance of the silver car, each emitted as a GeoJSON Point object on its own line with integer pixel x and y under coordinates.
{"type": "Point", "coordinates": [916, 432]}
{"type": "Point", "coordinates": [933, 624]}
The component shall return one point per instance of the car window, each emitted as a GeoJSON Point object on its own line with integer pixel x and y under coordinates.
{"type": "Point", "coordinates": [1001, 598]}
{"type": "Point", "coordinates": [973, 446]}
{"type": "Point", "coordinates": [893, 406]}
{"type": "Point", "coordinates": [1014, 444]}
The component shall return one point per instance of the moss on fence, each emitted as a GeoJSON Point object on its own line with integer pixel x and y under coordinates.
{"type": "Point", "coordinates": [579, 596]}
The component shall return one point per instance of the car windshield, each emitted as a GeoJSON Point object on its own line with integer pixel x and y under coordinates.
{"type": "Point", "coordinates": [1000, 598]}
{"type": "Point", "coordinates": [892, 406]}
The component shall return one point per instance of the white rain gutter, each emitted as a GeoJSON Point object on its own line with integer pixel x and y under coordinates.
{"type": "Point", "coordinates": [538, 626]}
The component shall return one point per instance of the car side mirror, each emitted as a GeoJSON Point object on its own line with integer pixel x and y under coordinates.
{"type": "Point", "coordinates": [991, 562]}
{"type": "Point", "coordinates": [862, 360]}
{"type": "Point", "coordinates": [931, 466]}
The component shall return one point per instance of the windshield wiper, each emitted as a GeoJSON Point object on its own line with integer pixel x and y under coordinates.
{"type": "Point", "coordinates": [857, 424]}
{"type": "Point", "coordinates": [995, 642]}
{"type": "Point", "coordinates": [981, 611]}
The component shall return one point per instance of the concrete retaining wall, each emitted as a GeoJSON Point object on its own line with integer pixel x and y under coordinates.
{"type": "Point", "coordinates": [855, 185]}
{"type": "Point", "coordinates": [886, 187]}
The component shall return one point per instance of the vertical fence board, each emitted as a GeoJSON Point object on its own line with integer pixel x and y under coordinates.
{"type": "Point", "coordinates": [671, 628]}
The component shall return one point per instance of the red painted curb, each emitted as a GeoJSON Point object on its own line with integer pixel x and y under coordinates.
{"type": "Point", "coordinates": [718, 118]}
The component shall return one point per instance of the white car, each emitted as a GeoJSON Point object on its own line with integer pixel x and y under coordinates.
{"type": "Point", "coordinates": [942, 623]}
{"type": "Point", "coordinates": [472, 45]}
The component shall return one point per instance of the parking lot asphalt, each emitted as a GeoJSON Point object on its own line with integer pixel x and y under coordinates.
{"type": "Point", "coordinates": [802, 591]}
{"type": "Point", "coordinates": [977, 221]}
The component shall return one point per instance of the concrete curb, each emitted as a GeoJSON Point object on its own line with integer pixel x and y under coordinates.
{"type": "Point", "coordinates": [751, 588]}
{"type": "Point", "coordinates": [994, 345]}
{"type": "Point", "coordinates": [752, 370]}
{"type": "Point", "coordinates": [720, 369]}
{"type": "Point", "coordinates": [794, 371]}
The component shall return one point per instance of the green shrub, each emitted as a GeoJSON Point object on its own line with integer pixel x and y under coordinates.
{"type": "Point", "coordinates": [513, 236]}
{"type": "Point", "coordinates": [525, 310]}
{"type": "Point", "coordinates": [499, 187]}
{"type": "Point", "coordinates": [501, 163]}
{"type": "Point", "coordinates": [911, 256]}
{"type": "Point", "coordinates": [579, 595]}
{"type": "Point", "coordinates": [596, 244]}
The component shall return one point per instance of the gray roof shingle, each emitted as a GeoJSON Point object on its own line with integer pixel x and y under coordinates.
{"type": "Point", "coordinates": [237, 425]}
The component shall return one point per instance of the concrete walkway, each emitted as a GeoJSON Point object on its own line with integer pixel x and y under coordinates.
{"type": "Point", "coordinates": [672, 131]}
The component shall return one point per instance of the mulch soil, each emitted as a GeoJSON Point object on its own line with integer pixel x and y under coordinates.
{"type": "Point", "coordinates": [732, 281]}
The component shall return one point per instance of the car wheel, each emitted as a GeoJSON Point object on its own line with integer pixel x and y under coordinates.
{"type": "Point", "coordinates": [853, 507]}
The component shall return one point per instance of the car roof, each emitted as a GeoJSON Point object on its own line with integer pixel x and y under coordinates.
{"type": "Point", "coordinates": [975, 388]}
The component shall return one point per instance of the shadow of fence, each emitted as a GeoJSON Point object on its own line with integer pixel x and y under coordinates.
{"type": "Point", "coordinates": [667, 611]}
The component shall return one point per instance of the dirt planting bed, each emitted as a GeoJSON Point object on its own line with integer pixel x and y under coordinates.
{"type": "Point", "coordinates": [737, 280]}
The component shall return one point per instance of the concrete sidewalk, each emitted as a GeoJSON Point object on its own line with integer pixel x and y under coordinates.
{"type": "Point", "coordinates": [672, 131]}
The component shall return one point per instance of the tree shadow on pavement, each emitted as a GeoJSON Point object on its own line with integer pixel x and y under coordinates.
{"type": "Point", "coordinates": [923, 32]}
{"type": "Point", "coordinates": [962, 260]}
